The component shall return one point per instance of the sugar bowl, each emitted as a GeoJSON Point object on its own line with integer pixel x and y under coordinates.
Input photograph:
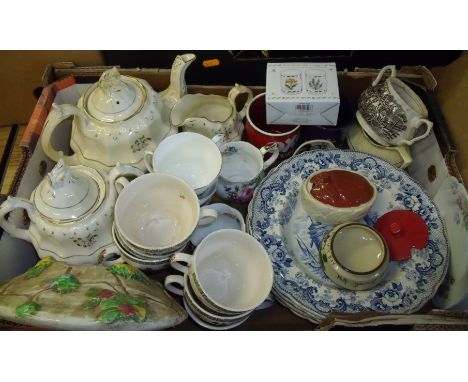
{"type": "Point", "coordinates": [71, 214]}
{"type": "Point", "coordinates": [354, 256]}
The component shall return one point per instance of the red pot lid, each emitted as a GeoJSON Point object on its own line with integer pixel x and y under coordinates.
{"type": "Point", "coordinates": [402, 231]}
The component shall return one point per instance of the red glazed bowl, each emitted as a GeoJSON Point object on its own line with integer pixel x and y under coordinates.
{"type": "Point", "coordinates": [259, 133]}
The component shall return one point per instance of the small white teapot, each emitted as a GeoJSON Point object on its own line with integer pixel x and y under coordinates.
{"type": "Point", "coordinates": [117, 119]}
{"type": "Point", "coordinates": [71, 214]}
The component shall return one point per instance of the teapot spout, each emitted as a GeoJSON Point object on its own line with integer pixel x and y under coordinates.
{"type": "Point", "coordinates": [177, 87]}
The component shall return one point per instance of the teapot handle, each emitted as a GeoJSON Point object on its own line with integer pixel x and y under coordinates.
{"type": "Point", "coordinates": [58, 114]}
{"type": "Point", "coordinates": [12, 203]}
{"type": "Point", "coordinates": [234, 92]}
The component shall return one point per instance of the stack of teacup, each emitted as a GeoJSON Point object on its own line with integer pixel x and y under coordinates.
{"type": "Point", "coordinates": [155, 215]}
{"type": "Point", "coordinates": [392, 115]}
{"type": "Point", "coordinates": [192, 157]}
{"type": "Point", "coordinates": [225, 280]}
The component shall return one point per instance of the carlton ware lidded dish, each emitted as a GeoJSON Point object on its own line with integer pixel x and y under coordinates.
{"type": "Point", "coordinates": [336, 196]}
{"type": "Point", "coordinates": [117, 119]}
{"type": "Point", "coordinates": [278, 220]}
{"type": "Point", "coordinates": [71, 214]}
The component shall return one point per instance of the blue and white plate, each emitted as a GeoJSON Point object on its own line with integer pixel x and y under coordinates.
{"type": "Point", "coordinates": [278, 221]}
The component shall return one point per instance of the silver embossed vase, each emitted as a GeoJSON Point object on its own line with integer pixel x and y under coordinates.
{"type": "Point", "coordinates": [391, 113]}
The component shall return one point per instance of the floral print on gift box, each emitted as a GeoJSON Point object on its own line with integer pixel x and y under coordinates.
{"type": "Point", "coordinates": [291, 81]}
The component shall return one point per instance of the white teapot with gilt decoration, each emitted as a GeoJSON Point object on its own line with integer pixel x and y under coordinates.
{"type": "Point", "coordinates": [71, 213]}
{"type": "Point", "coordinates": [117, 119]}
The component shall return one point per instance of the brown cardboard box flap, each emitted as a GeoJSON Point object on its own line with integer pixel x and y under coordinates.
{"type": "Point", "coordinates": [452, 96]}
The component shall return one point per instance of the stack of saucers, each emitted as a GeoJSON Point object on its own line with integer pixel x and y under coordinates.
{"type": "Point", "coordinates": [140, 257]}
{"type": "Point", "coordinates": [225, 280]}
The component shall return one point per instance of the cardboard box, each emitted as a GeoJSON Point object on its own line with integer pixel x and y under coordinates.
{"type": "Point", "coordinates": [302, 94]}
{"type": "Point", "coordinates": [65, 83]}
{"type": "Point", "coordinates": [20, 75]}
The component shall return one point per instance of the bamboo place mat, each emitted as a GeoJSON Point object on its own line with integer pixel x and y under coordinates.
{"type": "Point", "coordinates": [15, 156]}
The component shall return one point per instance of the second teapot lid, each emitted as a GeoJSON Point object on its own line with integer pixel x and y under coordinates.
{"type": "Point", "coordinates": [69, 193]}
{"type": "Point", "coordinates": [114, 98]}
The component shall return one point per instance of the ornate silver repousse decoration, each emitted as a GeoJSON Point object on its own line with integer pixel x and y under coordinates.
{"type": "Point", "coordinates": [381, 112]}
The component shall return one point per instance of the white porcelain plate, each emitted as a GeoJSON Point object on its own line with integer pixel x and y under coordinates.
{"type": "Point", "coordinates": [277, 220]}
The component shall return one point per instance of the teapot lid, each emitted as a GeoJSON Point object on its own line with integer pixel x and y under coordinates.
{"type": "Point", "coordinates": [114, 98]}
{"type": "Point", "coordinates": [69, 193]}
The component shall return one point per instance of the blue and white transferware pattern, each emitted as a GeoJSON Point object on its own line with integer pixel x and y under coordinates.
{"type": "Point", "coordinates": [277, 220]}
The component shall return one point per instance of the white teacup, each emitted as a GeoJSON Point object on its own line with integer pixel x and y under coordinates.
{"type": "Point", "coordinates": [391, 113]}
{"type": "Point", "coordinates": [230, 271]}
{"type": "Point", "coordinates": [243, 169]}
{"type": "Point", "coordinates": [158, 212]}
{"type": "Point", "coordinates": [190, 156]}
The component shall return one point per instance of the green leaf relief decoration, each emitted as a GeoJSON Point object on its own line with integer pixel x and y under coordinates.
{"type": "Point", "coordinates": [65, 283]}
{"type": "Point", "coordinates": [109, 316]}
{"type": "Point", "coordinates": [112, 306]}
{"type": "Point", "coordinates": [27, 309]}
{"type": "Point", "coordinates": [127, 271]}
{"type": "Point", "coordinates": [35, 271]}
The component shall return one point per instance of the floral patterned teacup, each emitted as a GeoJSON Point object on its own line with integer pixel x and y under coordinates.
{"type": "Point", "coordinates": [242, 169]}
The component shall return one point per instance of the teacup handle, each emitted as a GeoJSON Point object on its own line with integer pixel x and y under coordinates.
{"type": "Point", "coordinates": [234, 92]}
{"type": "Point", "coordinates": [12, 203]}
{"type": "Point", "coordinates": [382, 72]}
{"type": "Point", "coordinates": [312, 143]}
{"type": "Point", "coordinates": [117, 174]}
{"type": "Point", "coordinates": [120, 184]}
{"type": "Point", "coordinates": [148, 162]}
{"type": "Point", "coordinates": [420, 122]}
{"type": "Point", "coordinates": [108, 252]}
{"type": "Point", "coordinates": [207, 216]}
{"type": "Point", "coordinates": [175, 279]}
{"type": "Point", "coordinates": [270, 148]}
{"type": "Point", "coordinates": [184, 257]}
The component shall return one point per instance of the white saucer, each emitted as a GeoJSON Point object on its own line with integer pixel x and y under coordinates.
{"type": "Point", "coordinates": [208, 326]}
